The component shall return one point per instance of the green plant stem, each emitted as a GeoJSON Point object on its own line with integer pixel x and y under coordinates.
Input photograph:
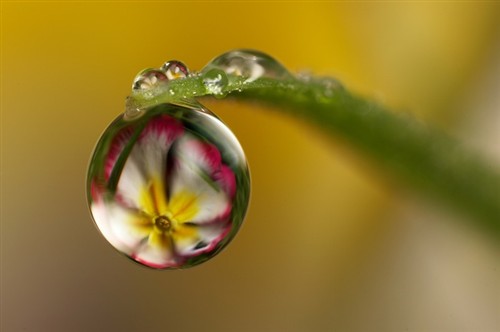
{"type": "Point", "coordinates": [421, 156]}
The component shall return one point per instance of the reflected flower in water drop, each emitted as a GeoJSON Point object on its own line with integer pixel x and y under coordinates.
{"type": "Point", "coordinates": [149, 79]}
{"type": "Point", "coordinates": [173, 198]}
{"type": "Point", "coordinates": [248, 68]}
{"type": "Point", "coordinates": [174, 69]}
{"type": "Point", "coordinates": [248, 64]}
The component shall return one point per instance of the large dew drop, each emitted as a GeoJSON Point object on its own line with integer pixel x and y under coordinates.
{"type": "Point", "coordinates": [168, 189]}
{"type": "Point", "coordinates": [249, 65]}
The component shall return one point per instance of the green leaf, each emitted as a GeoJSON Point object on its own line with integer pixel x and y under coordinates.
{"type": "Point", "coordinates": [418, 155]}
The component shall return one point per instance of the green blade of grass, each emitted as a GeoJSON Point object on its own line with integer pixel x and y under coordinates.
{"type": "Point", "coordinates": [416, 154]}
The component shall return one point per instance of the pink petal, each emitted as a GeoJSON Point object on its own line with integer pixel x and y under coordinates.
{"type": "Point", "coordinates": [212, 203]}
{"type": "Point", "coordinates": [148, 158]}
{"type": "Point", "coordinates": [96, 190]}
{"type": "Point", "coordinates": [154, 143]}
{"type": "Point", "coordinates": [199, 170]}
{"type": "Point", "coordinates": [208, 238]}
{"type": "Point", "coordinates": [157, 256]}
{"type": "Point", "coordinates": [207, 158]}
{"type": "Point", "coordinates": [115, 149]}
{"type": "Point", "coordinates": [163, 128]}
{"type": "Point", "coordinates": [204, 155]}
{"type": "Point", "coordinates": [226, 180]}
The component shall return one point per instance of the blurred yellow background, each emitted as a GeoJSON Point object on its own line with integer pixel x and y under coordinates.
{"type": "Point", "coordinates": [331, 242]}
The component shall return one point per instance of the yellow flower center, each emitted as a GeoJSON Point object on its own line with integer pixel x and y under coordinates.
{"type": "Point", "coordinates": [169, 217]}
{"type": "Point", "coordinates": [163, 223]}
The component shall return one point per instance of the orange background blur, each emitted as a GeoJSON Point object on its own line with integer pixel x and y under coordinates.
{"type": "Point", "coordinates": [331, 241]}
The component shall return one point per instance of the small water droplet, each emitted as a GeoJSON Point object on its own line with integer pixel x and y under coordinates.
{"type": "Point", "coordinates": [304, 76]}
{"type": "Point", "coordinates": [248, 64]}
{"type": "Point", "coordinates": [330, 85]}
{"type": "Point", "coordinates": [175, 69]}
{"type": "Point", "coordinates": [132, 110]}
{"type": "Point", "coordinates": [133, 113]}
{"type": "Point", "coordinates": [215, 81]}
{"type": "Point", "coordinates": [149, 79]}
{"type": "Point", "coordinates": [327, 86]}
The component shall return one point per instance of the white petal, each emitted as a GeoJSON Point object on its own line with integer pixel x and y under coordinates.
{"type": "Point", "coordinates": [208, 236]}
{"type": "Point", "coordinates": [204, 155]}
{"type": "Point", "coordinates": [154, 153]}
{"type": "Point", "coordinates": [212, 202]}
{"type": "Point", "coordinates": [119, 226]}
{"type": "Point", "coordinates": [132, 179]}
{"type": "Point", "coordinates": [190, 175]}
{"type": "Point", "coordinates": [147, 159]}
{"type": "Point", "coordinates": [155, 256]}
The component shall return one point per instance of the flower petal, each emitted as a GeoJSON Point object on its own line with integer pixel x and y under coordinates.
{"type": "Point", "coordinates": [123, 228]}
{"type": "Point", "coordinates": [157, 252]}
{"type": "Point", "coordinates": [205, 155]}
{"type": "Point", "coordinates": [189, 177]}
{"type": "Point", "coordinates": [183, 206]}
{"type": "Point", "coordinates": [145, 168]}
{"type": "Point", "coordinates": [226, 180]}
{"type": "Point", "coordinates": [133, 180]}
{"type": "Point", "coordinates": [192, 240]}
{"type": "Point", "coordinates": [115, 149]}
{"type": "Point", "coordinates": [155, 141]}
{"type": "Point", "coordinates": [153, 199]}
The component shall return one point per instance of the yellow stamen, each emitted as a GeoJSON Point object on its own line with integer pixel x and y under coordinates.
{"type": "Point", "coordinates": [153, 197]}
{"type": "Point", "coordinates": [163, 223]}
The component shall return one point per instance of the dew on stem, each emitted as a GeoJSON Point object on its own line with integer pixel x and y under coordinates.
{"type": "Point", "coordinates": [249, 65]}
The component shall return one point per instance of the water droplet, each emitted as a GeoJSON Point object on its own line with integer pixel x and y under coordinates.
{"type": "Point", "coordinates": [132, 110]}
{"type": "Point", "coordinates": [325, 87]}
{"type": "Point", "coordinates": [330, 85]}
{"type": "Point", "coordinates": [149, 79]}
{"type": "Point", "coordinates": [215, 80]}
{"type": "Point", "coordinates": [175, 69]}
{"type": "Point", "coordinates": [170, 188]}
{"type": "Point", "coordinates": [248, 64]}
{"type": "Point", "coordinates": [304, 76]}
